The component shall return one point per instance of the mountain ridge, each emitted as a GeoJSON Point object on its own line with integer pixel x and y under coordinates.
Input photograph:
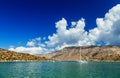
{"type": "Point", "coordinates": [88, 53]}
{"type": "Point", "coordinates": [9, 56]}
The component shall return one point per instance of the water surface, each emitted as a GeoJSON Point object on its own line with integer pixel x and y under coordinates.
{"type": "Point", "coordinates": [59, 70]}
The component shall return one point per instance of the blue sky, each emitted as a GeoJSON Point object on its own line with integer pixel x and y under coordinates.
{"type": "Point", "coordinates": [24, 20]}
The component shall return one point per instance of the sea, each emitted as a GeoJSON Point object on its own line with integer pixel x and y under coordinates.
{"type": "Point", "coordinates": [65, 69]}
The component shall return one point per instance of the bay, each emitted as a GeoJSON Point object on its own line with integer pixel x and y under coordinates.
{"type": "Point", "coordinates": [59, 70]}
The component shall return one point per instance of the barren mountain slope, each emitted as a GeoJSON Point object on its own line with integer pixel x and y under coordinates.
{"type": "Point", "coordinates": [6, 55]}
{"type": "Point", "coordinates": [89, 53]}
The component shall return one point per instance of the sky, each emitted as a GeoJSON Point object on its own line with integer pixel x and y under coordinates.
{"type": "Point", "coordinates": [41, 26]}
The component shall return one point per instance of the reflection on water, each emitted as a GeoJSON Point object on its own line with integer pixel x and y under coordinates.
{"type": "Point", "coordinates": [59, 70]}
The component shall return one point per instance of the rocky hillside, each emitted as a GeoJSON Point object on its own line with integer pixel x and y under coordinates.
{"type": "Point", "coordinates": [89, 53]}
{"type": "Point", "coordinates": [6, 55]}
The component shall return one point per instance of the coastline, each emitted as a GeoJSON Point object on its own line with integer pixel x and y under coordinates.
{"type": "Point", "coordinates": [54, 61]}
{"type": "Point", "coordinates": [25, 61]}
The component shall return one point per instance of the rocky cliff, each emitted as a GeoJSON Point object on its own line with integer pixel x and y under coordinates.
{"type": "Point", "coordinates": [6, 55]}
{"type": "Point", "coordinates": [89, 53]}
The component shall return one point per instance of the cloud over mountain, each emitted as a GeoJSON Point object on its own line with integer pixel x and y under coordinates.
{"type": "Point", "coordinates": [107, 30]}
{"type": "Point", "coordinates": [73, 36]}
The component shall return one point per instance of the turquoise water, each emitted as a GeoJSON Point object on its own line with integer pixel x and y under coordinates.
{"type": "Point", "coordinates": [59, 70]}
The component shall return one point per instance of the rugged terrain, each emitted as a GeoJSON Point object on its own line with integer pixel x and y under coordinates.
{"type": "Point", "coordinates": [89, 53]}
{"type": "Point", "coordinates": [6, 55]}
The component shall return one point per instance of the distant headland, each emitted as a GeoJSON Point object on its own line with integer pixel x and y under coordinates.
{"type": "Point", "coordinates": [11, 56]}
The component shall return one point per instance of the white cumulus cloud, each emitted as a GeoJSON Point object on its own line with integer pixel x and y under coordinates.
{"type": "Point", "coordinates": [30, 50]}
{"type": "Point", "coordinates": [73, 36]}
{"type": "Point", "coordinates": [33, 46]}
{"type": "Point", "coordinates": [107, 31]}
{"type": "Point", "coordinates": [108, 28]}
{"type": "Point", "coordinates": [30, 43]}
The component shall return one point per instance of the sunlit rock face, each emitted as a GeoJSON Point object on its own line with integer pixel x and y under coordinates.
{"type": "Point", "coordinates": [89, 53]}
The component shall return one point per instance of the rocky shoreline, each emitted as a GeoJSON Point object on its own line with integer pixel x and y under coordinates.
{"type": "Point", "coordinates": [24, 60]}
